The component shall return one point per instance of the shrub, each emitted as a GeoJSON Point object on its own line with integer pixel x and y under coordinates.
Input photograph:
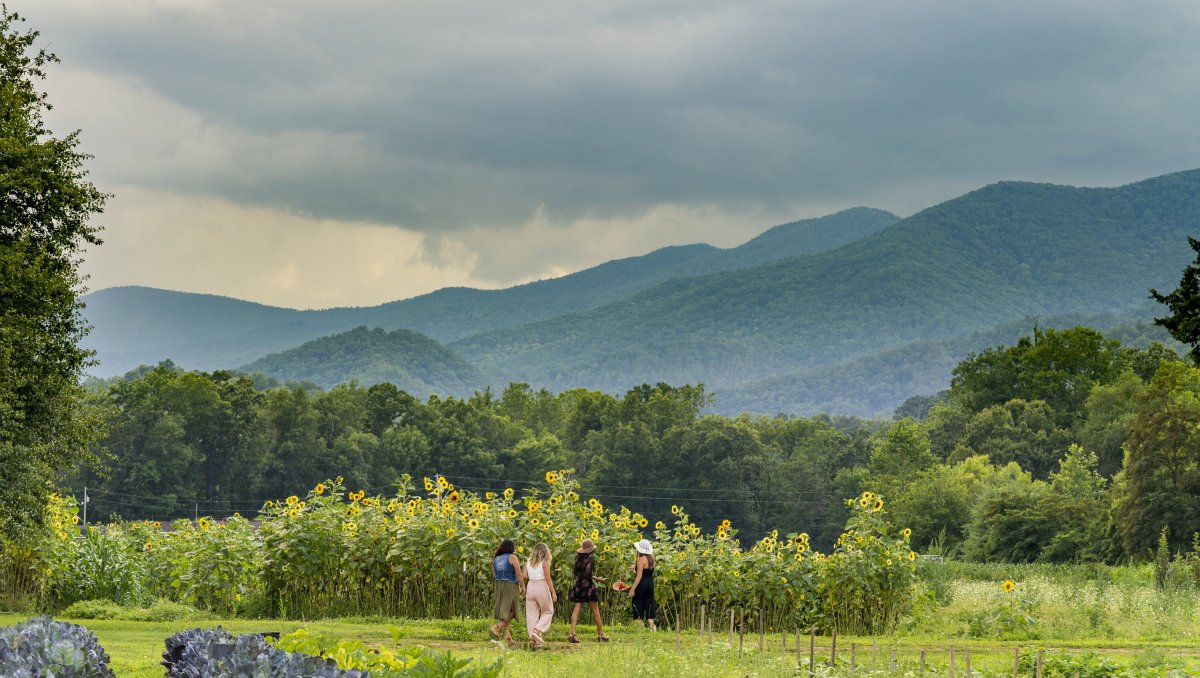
{"type": "Point", "coordinates": [44, 647]}
{"type": "Point", "coordinates": [93, 609]}
{"type": "Point", "coordinates": [165, 611]}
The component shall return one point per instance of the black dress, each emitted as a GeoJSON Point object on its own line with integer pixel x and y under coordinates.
{"type": "Point", "coordinates": [644, 605]}
{"type": "Point", "coordinates": [584, 590]}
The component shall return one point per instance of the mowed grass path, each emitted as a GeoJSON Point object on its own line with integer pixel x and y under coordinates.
{"type": "Point", "coordinates": [136, 648]}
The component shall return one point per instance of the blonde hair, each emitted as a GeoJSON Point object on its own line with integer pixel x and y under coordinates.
{"type": "Point", "coordinates": [539, 554]}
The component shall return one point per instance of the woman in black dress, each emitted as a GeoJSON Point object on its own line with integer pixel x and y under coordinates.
{"type": "Point", "coordinates": [642, 591]}
{"type": "Point", "coordinates": [584, 590]}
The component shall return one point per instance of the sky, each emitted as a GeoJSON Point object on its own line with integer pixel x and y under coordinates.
{"type": "Point", "coordinates": [310, 154]}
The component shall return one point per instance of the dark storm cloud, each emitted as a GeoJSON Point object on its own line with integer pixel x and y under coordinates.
{"type": "Point", "coordinates": [457, 115]}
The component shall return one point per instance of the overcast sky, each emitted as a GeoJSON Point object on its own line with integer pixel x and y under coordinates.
{"type": "Point", "coordinates": [310, 153]}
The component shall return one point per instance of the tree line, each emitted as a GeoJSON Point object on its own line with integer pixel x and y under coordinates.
{"type": "Point", "coordinates": [1064, 446]}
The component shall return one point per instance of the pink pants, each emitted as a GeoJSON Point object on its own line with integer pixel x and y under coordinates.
{"type": "Point", "coordinates": [539, 608]}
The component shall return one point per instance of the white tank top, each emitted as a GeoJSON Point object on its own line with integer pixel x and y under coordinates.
{"type": "Point", "coordinates": [535, 572]}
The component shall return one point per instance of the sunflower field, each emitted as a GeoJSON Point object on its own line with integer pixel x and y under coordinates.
{"type": "Point", "coordinates": [425, 552]}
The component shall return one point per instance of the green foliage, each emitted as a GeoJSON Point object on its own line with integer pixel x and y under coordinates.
{"type": "Point", "coordinates": [1183, 322]}
{"type": "Point", "coordinates": [1010, 615]}
{"type": "Point", "coordinates": [391, 662]}
{"type": "Point", "coordinates": [104, 565]}
{"type": "Point", "coordinates": [165, 611]}
{"type": "Point", "coordinates": [93, 609]}
{"type": "Point", "coordinates": [45, 208]}
{"type": "Point", "coordinates": [1161, 479]}
{"type": "Point", "coordinates": [1058, 664]}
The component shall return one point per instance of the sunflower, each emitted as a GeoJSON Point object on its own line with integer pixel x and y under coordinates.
{"type": "Point", "coordinates": [450, 532]}
{"type": "Point", "coordinates": [292, 500]}
{"type": "Point", "coordinates": [339, 480]}
{"type": "Point", "coordinates": [864, 502]}
{"type": "Point", "coordinates": [659, 525]}
{"type": "Point", "coordinates": [349, 527]}
{"type": "Point", "coordinates": [593, 503]}
{"type": "Point", "coordinates": [442, 482]}
{"type": "Point", "coordinates": [149, 545]}
{"type": "Point", "coordinates": [204, 523]}
{"type": "Point", "coordinates": [551, 477]}
{"type": "Point", "coordinates": [489, 495]}
{"type": "Point", "coordinates": [454, 497]}
{"type": "Point", "coordinates": [674, 509]}
{"type": "Point", "coordinates": [428, 485]}
{"type": "Point", "coordinates": [293, 513]}
{"type": "Point", "coordinates": [354, 511]}
{"type": "Point", "coordinates": [553, 501]}
{"type": "Point", "coordinates": [473, 524]}
{"type": "Point", "coordinates": [157, 524]}
{"type": "Point", "coordinates": [512, 513]}
{"type": "Point", "coordinates": [906, 533]}
{"type": "Point", "coordinates": [595, 533]}
{"type": "Point", "coordinates": [573, 496]}
{"type": "Point", "coordinates": [269, 504]}
{"type": "Point", "coordinates": [643, 522]}
{"type": "Point", "coordinates": [878, 505]}
{"type": "Point", "coordinates": [535, 522]}
{"type": "Point", "coordinates": [508, 493]}
{"type": "Point", "coordinates": [912, 555]}
{"type": "Point", "coordinates": [1008, 586]}
{"type": "Point", "coordinates": [319, 489]}
{"type": "Point", "coordinates": [392, 540]}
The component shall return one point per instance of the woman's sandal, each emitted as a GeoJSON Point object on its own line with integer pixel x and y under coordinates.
{"type": "Point", "coordinates": [572, 639]}
{"type": "Point", "coordinates": [601, 638]}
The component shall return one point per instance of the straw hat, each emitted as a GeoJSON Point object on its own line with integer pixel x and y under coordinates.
{"type": "Point", "coordinates": [644, 547]}
{"type": "Point", "coordinates": [587, 547]}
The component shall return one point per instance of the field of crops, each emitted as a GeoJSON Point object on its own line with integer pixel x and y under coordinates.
{"type": "Point", "coordinates": [422, 553]}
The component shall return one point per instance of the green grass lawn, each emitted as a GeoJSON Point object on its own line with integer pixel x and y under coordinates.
{"type": "Point", "coordinates": [136, 649]}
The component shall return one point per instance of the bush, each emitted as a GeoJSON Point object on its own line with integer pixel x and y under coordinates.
{"type": "Point", "coordinates": [166, 611]}
{"type": "Point", "coordinates": [93, 609]}
{"type": "Point", "coordinates": [44, 647]}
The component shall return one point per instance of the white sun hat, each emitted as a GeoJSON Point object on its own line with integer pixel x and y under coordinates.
{"type": "Point", "coordinates": [644, 547]}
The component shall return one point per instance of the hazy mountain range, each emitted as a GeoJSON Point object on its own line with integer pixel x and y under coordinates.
{"type": "Point", "coordinates": [848, 313]}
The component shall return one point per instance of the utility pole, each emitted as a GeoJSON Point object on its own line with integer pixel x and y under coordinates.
{"type": "Point", "coordinates": [83, 528]}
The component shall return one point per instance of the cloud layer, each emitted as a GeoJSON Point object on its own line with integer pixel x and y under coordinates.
{"type": "Point", "coordinates": [493, 143]}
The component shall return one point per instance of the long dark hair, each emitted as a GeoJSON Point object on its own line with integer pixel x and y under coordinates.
{"type": "Point", "coordinates": [506, 546]}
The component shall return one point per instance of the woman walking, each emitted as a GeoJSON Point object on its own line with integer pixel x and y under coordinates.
{"type": "Point", "coordinates": [540, 595]}
{"type": "Point", "coordinates": [642, 590]}
{"type": "Point", "coordinates": [506, 570]}
{"type": "Point", "coordinates": [584, 590]}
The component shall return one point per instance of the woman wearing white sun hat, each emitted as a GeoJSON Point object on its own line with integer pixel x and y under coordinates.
{"type": "Point", "coordinates": [642, 590]}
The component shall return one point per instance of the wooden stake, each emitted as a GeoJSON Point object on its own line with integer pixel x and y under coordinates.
{"type": "Point", "coordinates": [853, 659]}
{"type": "Point", "coordinates": [893, 660]}
{"type": "Point", "coordinates": [677, 631]}
{"type": "Point", "coordinates": [1038, 671]}
{"type": "Point", "coordinates": [730, 628]}
{"type": "Point", "coordinates": [951, 661]}
{"type": "Point", "coordinates": [833, 650]}
{"type": "Point", "coordinates": [783, 644]}
{"type": "Point", "coordinates": [762, 632]}
{"type": "Point", "coordinates": [1016, 662]}
{"type": "Point", "coordinates": [812, 652]}
{"type": "Point", "coordinates": [710, 622]}
{"type": "Point", "coordinates": [741, 630]}
{"type": "Point", "coordinates": [799, 654]}
{"type": "Point", "coordinates": [702, 621]}
{"type": "Point", "coordinates": [922, 662]}
{"type": "Point", "coordinates": [967, 659]}
{"type": "Point", "coordinates": [873, 650]}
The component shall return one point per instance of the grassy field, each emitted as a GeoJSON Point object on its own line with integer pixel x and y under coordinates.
{"type": "Point", "coordinates": [136, 647]}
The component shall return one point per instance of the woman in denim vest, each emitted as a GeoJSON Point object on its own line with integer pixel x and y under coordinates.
{"type": "Point", "coordinates": [510, 588]}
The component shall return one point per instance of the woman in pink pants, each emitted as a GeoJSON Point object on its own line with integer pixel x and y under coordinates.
{"type": "Point", "coordinates": [540, 595]}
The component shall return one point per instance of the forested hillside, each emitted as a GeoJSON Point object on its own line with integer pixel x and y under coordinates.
{"type": "Point", "coordinates": [137, 325]}
{"type": "Point", "coordinates": [411, 361]}
{"type": "Point", "coordinates": [994, 255]}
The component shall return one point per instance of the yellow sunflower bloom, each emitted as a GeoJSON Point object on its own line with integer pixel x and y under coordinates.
{"type": "Point", "coordinates": [508, 493]}
{"type": "Point", "coordinates": [292, 500]}
{"type": "Point", "coordinates": [1008, 586]}
{"type": "Point", "coordinates": [473, 524]}
{"type": "Point", "coordinates": [428, 485]}
{"type": "Point", "coordinates": [512, 513]}
{"type": "Point", "coordinates": [489, 496]}
{"type": "Point", "coordinates": [551, 477]}
{"type": "Point", "coordinates": [660, 525]}
{"type": "Point", "coordinates": [674, 509]}
{"type": "Point", "coordinates": [878, 505]}
{"type": "Point", "coordinates": [906, 533]}
{"type": "Point", "coordinates": [454, 497]}
{"type": "Point", "coordinates": [319, 489]}
{"type": "Point", "coordinates": [442, 482]}
{"type": "Point", "coordinates": [450, 532]}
